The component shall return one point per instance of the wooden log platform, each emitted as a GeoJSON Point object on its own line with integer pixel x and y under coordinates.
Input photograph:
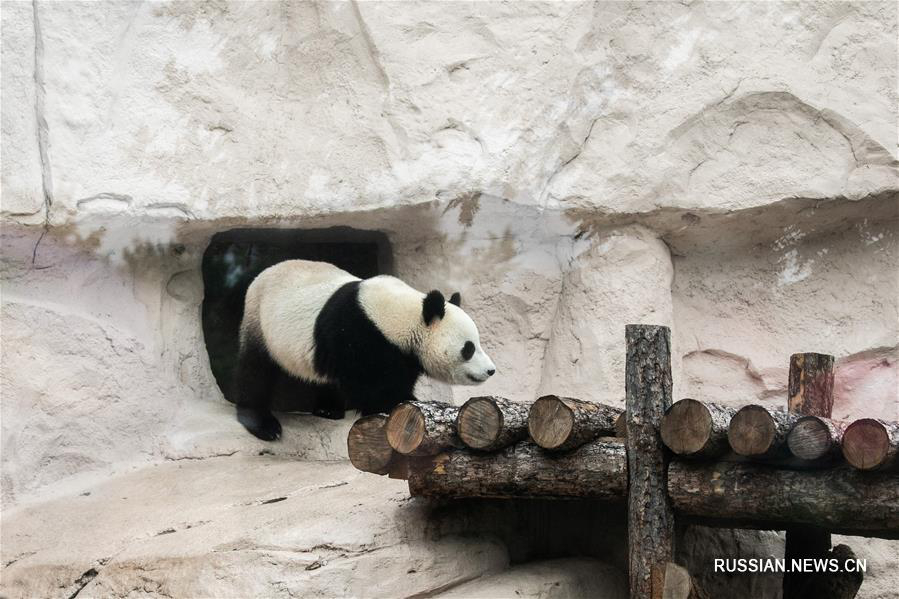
{"type": "Point", "coordinates": [749, 495]}
{"type": "Point", "coordinates": [759, 432]}
{"type": "Point", "coordinates": [422, 428]}
{"type": "Point", "coordinates": [563, 423]}
{"type": "Point", "coordinates": [756, 486]}
{"type": "Point", "coordinates": [694, 429]}
{"type": "Point", "coordinates": [815, 438]}
{"type": "Point", "coordinates": [596, 470]}
{"type": "Point", "coordinates": [869, 444]}
{"type": "Point", "coordinates": [491, 423]}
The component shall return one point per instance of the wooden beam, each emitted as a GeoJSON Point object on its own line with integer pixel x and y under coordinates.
{"type": "Point", "coordinates": [869, 444]}
{"type": "Point", "coordinates": [753, 495]}
{"type": "Point", "coordinates": [596, 470]}
{"type": "Point", "coordinates": [422, 428]}
{"type": "Point", "coordinates": [759, 432]}
{"type": "Point", "coordinates": [650, 517]}
{"type": "Point", "coordinates": [696, 429]}
{"type": "Point", "coordinates": [367, 444]}
{"type": "Point", "coordinates": [563, 423]}
{"type": "Point", "coordinates": [815, 438]}
{"type": "Point", "coordinates": [491, 423]}
{"type": "Point", "coordinates": [810, 386]}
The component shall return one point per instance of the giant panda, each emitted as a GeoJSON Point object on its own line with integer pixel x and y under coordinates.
{"type": "Point", "coordinates": [362, 343]}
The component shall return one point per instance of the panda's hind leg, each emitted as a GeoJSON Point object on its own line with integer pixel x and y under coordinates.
{"type": "Point", "coordinates": [329, 403]}
{"type": "Point", "coordinates": [253, 381]}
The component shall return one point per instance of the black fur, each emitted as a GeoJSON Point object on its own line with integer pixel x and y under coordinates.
{"type": "Point", "coordinates": [433, 306]}
{"type": "Point", "coordinates": [373, 375]}
{"type": "Point", "coordinates": [257, 379]}
{"type": "Point", "coordinates": [253, 381]}
{"type": "Point", "coordinates": [456, 299]}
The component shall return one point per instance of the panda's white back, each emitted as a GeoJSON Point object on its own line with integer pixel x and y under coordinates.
{"type": "Point", "coordinates": [282, 304]}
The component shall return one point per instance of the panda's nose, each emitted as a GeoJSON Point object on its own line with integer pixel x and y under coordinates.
{"type": "Point", "coordinates": [491, 371]}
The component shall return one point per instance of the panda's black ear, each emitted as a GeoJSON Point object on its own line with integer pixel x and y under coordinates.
{"type": "Point", "coordinates": [433, 306]}
{"type": "Point", "coordinates": [456, 299]}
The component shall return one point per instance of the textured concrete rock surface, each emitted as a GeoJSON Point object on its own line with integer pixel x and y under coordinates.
{"type": "Point", "coordinates": [728, 169]}
{"type": "Point", "coordinates": [552, 579]}
{"type": "Point", "coordinates": [238, 527]}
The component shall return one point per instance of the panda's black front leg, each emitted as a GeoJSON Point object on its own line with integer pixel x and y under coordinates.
{"type": "Point", "coordinates": [253, 382]}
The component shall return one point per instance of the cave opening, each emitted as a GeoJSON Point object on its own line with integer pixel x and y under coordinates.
{"type": "Point", "coordinates": [235, 257]}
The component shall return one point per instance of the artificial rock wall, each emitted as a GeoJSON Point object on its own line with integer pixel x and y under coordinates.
{"type": "Point", "coordinates": [727, 169]}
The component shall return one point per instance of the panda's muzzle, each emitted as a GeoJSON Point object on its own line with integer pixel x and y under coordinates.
{"type": "Point", "coordinates": [477, 380]}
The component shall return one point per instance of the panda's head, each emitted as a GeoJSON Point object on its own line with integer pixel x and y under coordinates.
{"type": "Point", "coordinates": [450, 348]}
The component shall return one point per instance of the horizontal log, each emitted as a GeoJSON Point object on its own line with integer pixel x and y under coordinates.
{"type": "Point", "coordinates": [734, 495]}
{"type": "Point", "coordinates": [696, 429]}
{"type": "Point", "coordinates": [491, 423]}
{"type": "Point", "coordinates": [869, 444]}
{"type": "Point", "coordinates": [815, 438]}
{"type": "Point", "coordinates": [596, 470]}
{"type": "Point", "coordinates": [563, 423]}
{"type": "Point", "coordinates": [367, 444]}
{"type": "Point", "coordinates": [758, 432]}
{"type": "Point", "coordinates": [422, 428]}
{"type": "Point", "coordinates": [620, 426]}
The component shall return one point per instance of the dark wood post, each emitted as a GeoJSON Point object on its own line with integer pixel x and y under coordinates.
{"type": "Point", "coordinates": [650, 518]}
{"type": "Point", "coordinates": [810, 389]}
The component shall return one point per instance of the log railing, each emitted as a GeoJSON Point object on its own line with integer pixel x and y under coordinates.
{"type": "Point", "coordinates": [753, 467]}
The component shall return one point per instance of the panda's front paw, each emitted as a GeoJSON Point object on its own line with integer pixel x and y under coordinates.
{"type": "Point", "coordinates": [262, 424]}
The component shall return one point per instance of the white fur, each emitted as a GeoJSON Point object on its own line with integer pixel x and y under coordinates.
{"type": "Point", "coordinates": [283, 302]}
{"type": "Point", "coordinates": [396, 309]}
{"type": "Point", "coordinates": [281, 306]}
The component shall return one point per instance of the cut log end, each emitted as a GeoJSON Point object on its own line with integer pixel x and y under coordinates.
{"type": "Point", "coordinates": [751, 431]}
{"type": "Point", "coordinates": [367, 444]}
{"type": "Point", "coordinates": [479, 423]}
{"type": "Point", "coordinates": [686, 427]}
{"type": "Point", "coordinates": [866, 444]}
{"type": "Point", "coordinates": [406, 428]}
{"type": "Point", "coordinates": [550, 422]}
{"type": "Point", "coordinates": [810, 438]}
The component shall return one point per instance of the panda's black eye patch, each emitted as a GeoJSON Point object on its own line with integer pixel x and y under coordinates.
{"type": "Point", "coordinates": [467, 350]}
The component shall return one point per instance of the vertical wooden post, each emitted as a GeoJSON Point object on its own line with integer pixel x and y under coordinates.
{"type": "Point", "coordinates": [650, 517]}
{"type": "Point", "coordinates": [810, 393]}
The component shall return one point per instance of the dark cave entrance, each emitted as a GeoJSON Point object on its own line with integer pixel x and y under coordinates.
{"type": "Point", "coordinates": [235, 257]}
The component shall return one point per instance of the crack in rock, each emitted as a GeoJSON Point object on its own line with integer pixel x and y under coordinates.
{"type": "Point", "coordinates": [42, 131]}
{"type": "Point", "coordinates": [170, 458]}
{"type": "Point", "coordinates": [83, 581]}
{"type": "Point", "coordinates": [105, 195]}
{"type": "Point", "coordinates": [273, 500]}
